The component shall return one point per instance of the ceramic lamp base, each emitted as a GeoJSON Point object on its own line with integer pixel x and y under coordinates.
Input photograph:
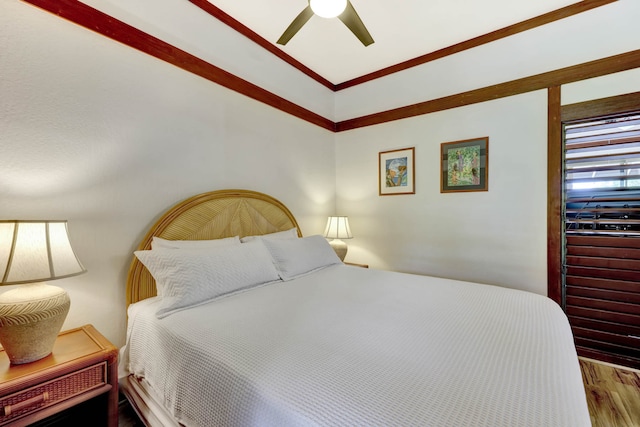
{"type": "Point", "coordinates": [339, 247]}
{"type": "Point", "coordinates": [31, 317]}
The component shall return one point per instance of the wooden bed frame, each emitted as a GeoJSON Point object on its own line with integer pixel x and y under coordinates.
{"type": "Point", "coordinates": [212, 215]}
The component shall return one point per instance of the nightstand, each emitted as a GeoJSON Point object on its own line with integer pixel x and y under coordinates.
{"type": "Point", "coordinates": [83, 367]}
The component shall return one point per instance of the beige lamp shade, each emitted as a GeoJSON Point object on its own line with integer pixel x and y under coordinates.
{"type": "Point", "coordinates": [35, 251]}
{"type": "Point", "coordinates": [338, 229]}
{"type": "Point", "coordinates": [32, 314]}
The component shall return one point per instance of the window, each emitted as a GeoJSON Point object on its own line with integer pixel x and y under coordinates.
{"type": "Point", "coordinates": [601, 260]}
{"type": "Point", "coordinates": [602, 176]}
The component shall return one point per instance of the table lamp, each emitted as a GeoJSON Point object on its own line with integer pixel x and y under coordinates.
{"type": "Point", "coordinates": [337, 229]}
{"type": "Point", "coordinates": [32, 314]}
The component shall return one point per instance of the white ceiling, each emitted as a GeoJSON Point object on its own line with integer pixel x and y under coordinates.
{"type": "Point", "coordinates": [402, 29]}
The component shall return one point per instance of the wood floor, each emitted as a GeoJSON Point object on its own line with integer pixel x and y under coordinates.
{"type": "Point", "coordinates": [613, 394]}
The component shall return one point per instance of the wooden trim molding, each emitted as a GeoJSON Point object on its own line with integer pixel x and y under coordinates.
{"type": "Point", "coordinates": [261, 41]}
{"type": "Point", "coordinates": [95, 20]}
{"type": "Point", "coordinates": [526, 25]}
{"type": "Point", "coordinates": [610, 106]}
{"type": "Point", "coordinates": [520, 27]}
{"type": "Point", "coordinates": [108, 26]}
{"type": "Point", "coordinates": [554, 196]}
{"type": "Point", "coordinates": [597, 68]}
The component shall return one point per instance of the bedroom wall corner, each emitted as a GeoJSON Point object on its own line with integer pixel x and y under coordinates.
{"type": "Point", "coordinates": [495, 237]}
{"type": "Point", "coordinates": [109, 138]}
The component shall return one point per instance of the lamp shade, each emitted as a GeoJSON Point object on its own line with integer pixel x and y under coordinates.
{"type": "Point", "coordinates": [338, 228]}
{"type": "Point", "coordinates": [328, 8]}
{"type": "Point", "coordinates": [36, 251]}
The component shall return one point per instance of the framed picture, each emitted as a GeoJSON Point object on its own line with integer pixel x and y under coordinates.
{"type": "Point", "coordinates": [464, 165]}
{"type": "Point", "coordinates": [396, 172]}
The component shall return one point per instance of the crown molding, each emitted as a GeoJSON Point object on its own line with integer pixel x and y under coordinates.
{"type": "Point", "coordinates": [95, 20]}
{"type": "Point", "coordinates": [597, 68]}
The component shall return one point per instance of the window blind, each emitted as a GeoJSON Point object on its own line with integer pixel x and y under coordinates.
{"type": "Point", "coordinates": [601, 266]}
{"type": "Point", "coordinates": [602, 177]}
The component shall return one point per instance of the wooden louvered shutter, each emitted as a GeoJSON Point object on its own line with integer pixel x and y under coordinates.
{"type": "Point", "coordinates": [602, 230]}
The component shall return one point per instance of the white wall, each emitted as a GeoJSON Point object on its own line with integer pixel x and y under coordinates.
{"type": "Point", "coordinates": [108, 138]}
{"type": "Point", "coordinates": [496, 237]}
{"type": "Point", "coordinates": [601, 87]}
{"type": "Point", "coordinates": [184, 25]}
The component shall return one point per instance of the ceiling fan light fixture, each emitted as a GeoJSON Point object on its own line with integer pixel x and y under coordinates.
{"type": "Point", "coordinates": [342, 9]}
{"type": "Point", "coordinates": [328, 8]}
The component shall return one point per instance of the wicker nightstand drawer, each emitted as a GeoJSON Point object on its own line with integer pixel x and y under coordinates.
{"type": "Point", "coordinates": [52, 392]}
{"type": "Point", "coordinates": [82, 368]}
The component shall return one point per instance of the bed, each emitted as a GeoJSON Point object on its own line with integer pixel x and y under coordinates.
{"type": "Point", "coordinates": [322, 343]}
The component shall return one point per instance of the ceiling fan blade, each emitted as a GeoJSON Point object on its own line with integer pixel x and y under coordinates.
{"type": "Point", "coordinates": [295, 26]}
{"type": "Point", "coordinates": [352, 20]}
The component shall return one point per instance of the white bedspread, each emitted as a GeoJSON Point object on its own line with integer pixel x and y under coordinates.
{"type": "Point", "coordinates": [348, 346]}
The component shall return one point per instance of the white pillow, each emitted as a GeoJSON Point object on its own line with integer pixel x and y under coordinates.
{"type": "Point", "coordinates": [188, 277]}
{"type": "Point", "coordinates": [291, 233]}
{"type": "Point", "coordinates": [294, 257]}
{"type": "Point", "coordinates": [158, 242]}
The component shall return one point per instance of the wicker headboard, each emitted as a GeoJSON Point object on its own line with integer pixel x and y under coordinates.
{"type": "Point", "coordinates": [213, 215]}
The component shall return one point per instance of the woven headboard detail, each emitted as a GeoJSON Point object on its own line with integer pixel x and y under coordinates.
{"type": "Point", "coordinates": [212, 215]}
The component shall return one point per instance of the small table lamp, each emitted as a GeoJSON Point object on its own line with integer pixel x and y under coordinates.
{"type": "Point", "coordinates": [337, 229]}
{"type": "Point", "coordinates": [32, 315]}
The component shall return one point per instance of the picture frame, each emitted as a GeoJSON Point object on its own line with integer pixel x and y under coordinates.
{"type": "Point", "coordinates": [464, 165]}
{"type": "Point", "coordinates": [396, 172]}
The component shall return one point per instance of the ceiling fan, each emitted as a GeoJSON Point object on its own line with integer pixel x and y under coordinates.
{"type": "Point", "coordinates": [343, 9]}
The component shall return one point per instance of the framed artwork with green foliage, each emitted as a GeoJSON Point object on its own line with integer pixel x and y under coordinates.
{"type": "Point", "coordinates": [464, 165]}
